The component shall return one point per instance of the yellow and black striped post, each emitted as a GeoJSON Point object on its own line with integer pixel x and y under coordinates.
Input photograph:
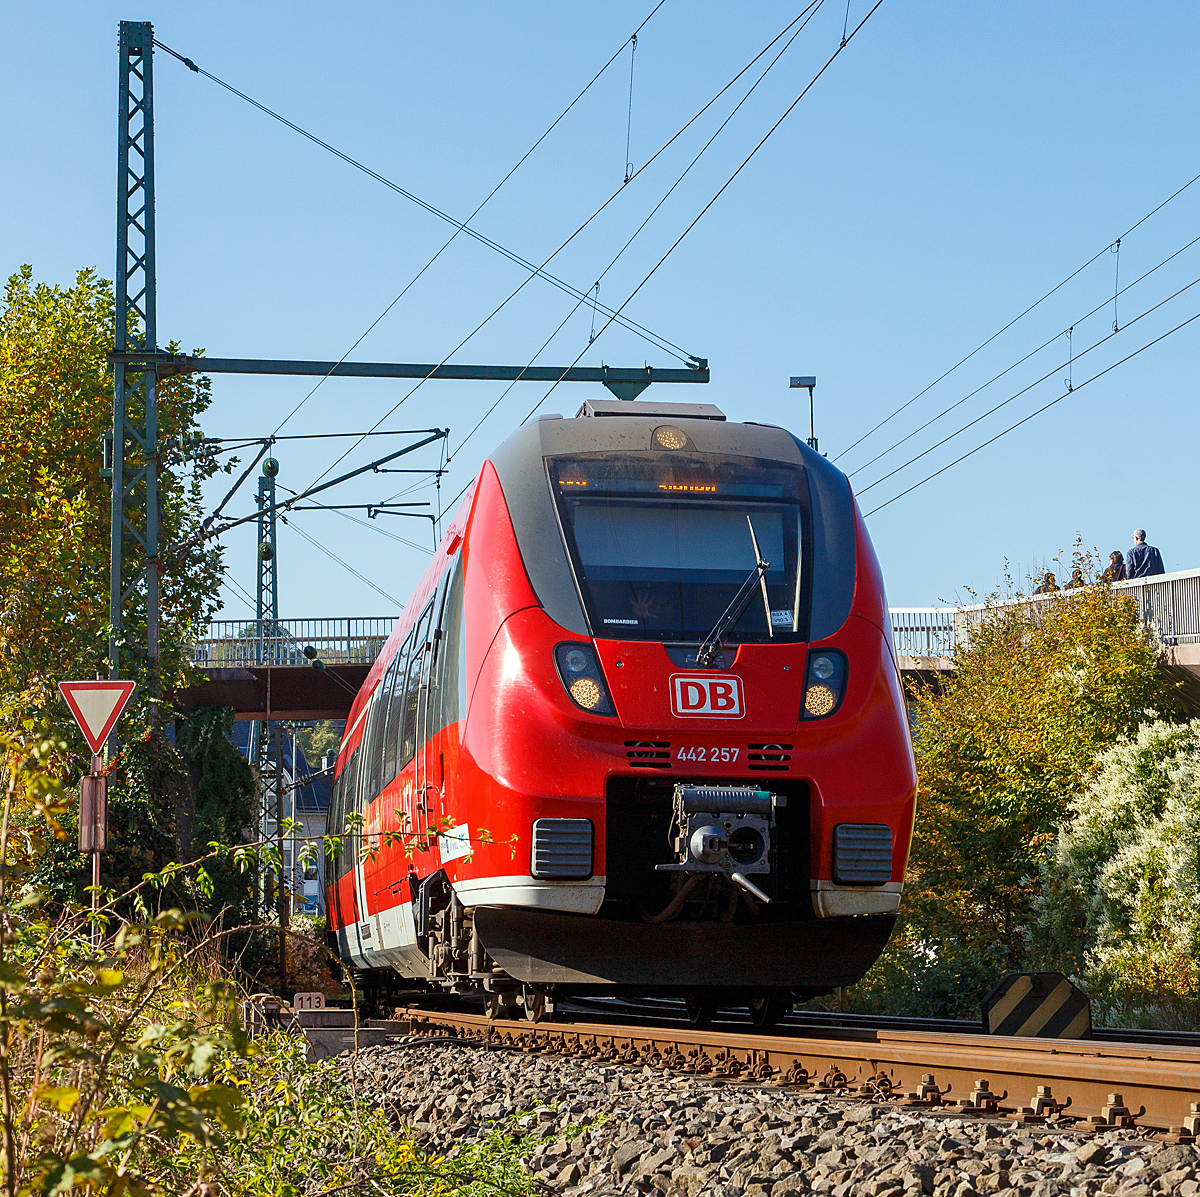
{"type": "Point", "coordinates": [1042, 1005]}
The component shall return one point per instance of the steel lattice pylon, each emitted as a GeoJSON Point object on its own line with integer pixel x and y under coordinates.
{"type": "Point", "coordinates": [268, 564]}
{"type": "Point", "coordinates": [133, 453]}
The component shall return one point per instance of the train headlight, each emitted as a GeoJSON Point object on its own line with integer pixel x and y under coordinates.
{"type": "Point", "coordinates": [824, 684]}
{"type": "Point", "coordinates": [585, 692]}
{"type": "Point", "coordinates": [579, 671]}
{"type": "Point", "coordinates": [667, 437]}
{"type": "Point", "coordinates": [576, 660]}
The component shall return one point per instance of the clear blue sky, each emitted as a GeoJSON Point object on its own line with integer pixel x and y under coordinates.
{"type": "Point", "coordinates": [954, 163]}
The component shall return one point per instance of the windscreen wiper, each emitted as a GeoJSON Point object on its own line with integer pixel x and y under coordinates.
{"type": "Point", "coordinates": [710, 646]}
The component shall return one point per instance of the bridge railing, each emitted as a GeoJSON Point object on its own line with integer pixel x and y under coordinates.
{"type": "Point", "coordinates": [241, 642]}
{"type": "Point", "coordinates": [1168, 603]}
{"type": "Point", "coordinates": [923, 631]}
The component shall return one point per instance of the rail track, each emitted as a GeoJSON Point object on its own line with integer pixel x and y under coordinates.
{"type": "Point", "coordinates": [1079, 1083]}
{"type": "Point", "coordinates": [805, 1022]}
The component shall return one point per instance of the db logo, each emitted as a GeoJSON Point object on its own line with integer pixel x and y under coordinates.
{"type": "Point", "coordinates": [706, 697]}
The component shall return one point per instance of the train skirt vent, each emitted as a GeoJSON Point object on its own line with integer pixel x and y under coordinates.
{"type": "Point", "coordinates": [648, 754]}
{"type": "Point", "coordinates": [562, 849]}
{"type": "Point", "coordinates": [862, 854]}
{"type": "Point", "coordinates": [769, 758]}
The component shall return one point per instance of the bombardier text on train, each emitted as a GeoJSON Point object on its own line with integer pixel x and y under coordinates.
{"type": "Point", "coordinates": [639, 730]}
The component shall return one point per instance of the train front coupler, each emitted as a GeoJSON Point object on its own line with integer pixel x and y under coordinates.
{"type": "Point", "coordinates": [724, 831]}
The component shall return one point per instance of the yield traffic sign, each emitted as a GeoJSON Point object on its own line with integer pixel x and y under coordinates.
{"type": "Point", "coordinates": [97, 706]}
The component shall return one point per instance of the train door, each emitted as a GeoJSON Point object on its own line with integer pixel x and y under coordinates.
{"type": "Point", "coordinates": [336, 903]}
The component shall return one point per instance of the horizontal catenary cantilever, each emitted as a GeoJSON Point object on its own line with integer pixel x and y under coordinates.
{"type": "Point", "coordinates": [623, 382]}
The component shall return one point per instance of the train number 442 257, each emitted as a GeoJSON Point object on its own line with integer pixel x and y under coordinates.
{"type": "Point", "coordinates": [728, 755]}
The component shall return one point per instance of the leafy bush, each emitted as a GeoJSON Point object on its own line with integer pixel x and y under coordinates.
{"type": "Point", "coordinates": [306, 1128]}
{"type": "Point", "coordinates": [1040, 690]}
{"type": "Point", "coordinates": [1121, 899]}
{"type": "Point", "coordinates": [123, 1065]}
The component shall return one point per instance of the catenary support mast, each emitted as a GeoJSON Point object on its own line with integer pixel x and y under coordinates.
{"type": "Point", "coordinates": [267, 598]}
{"type": "Point", "coordinates": [133, 453]}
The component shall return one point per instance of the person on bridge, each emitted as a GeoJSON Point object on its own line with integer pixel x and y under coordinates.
{"type": "Point", "coordinates": [1145, 561]}
{"type": "Point", "coordinates": [1116, 568]}
{"type": "Point", "coordinates": [1048, 586]}
{"type": "Point", "coordinates": [1077, 579]}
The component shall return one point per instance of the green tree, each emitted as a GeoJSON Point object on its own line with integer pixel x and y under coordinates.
{"type": "Point", "coordinates": [318, 738]}
{"type": "Point", "coordinates": [56, 405]}
{"type": "Point", "coordinates": [225, 788]}
{"type": "Point", "coordinates": [1039, 691]}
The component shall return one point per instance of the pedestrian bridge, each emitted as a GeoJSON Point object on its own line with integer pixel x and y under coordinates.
{"type": "Point", "coordinates": [926, 637]}
{"type": "Point", "coordinates": [285, 669]}
{"type": "Point", "coordinates": [266, 671]}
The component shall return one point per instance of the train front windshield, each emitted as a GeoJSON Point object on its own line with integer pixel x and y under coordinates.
{"type": "Point", "coordinates": [661, 545]}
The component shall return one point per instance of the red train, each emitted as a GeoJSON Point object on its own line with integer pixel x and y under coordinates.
{"type": "Point", "coordinates": [639, 730]}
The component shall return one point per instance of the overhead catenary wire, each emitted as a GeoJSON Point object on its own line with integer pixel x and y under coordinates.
{"type": "Point", "coordinates": [720, 191]}
{"type": "Point", "coordinates": [517, 290]}
{"type": "Point", "coordinates": [460, 226]}
{"type": "Point", "coordinates": [482, 204]}
{"type": "Point", "coordinates": [983, 344]}
{"type": "Point", "coordinates": [811, 11]}
{"type": "Point", "coordinates": [412, 544]}
{"type": "Point", "coordinates": [231, 581]}
{"type": "Point", "coordinates": [244, 442]}
{"type": "Point", "coordinates": [1046, 407]}
{"type": "Point", "coordinates": [374, 527]}
{"type": "Point", "coordinates": [234, 444]}
{"type": "Point", "coordinates": [291, 523]}
{"type": "Point", "coordinates": [496, 403]}
{"type": "Point", "coordinates": [1068, 332]}
{"type": "Point", "coordinates": [629, 116]}
{"type": "Point", "coordinates": [1024, 390]}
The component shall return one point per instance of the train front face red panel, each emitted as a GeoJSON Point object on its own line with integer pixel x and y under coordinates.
{"type": "Point", "coordinates": [522, 755]}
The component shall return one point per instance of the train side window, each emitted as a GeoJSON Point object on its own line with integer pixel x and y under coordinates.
{"type": "Point", "coordinates": [427, 717]}
{"type": "Point", "coordinates": [370, 744]}
{"type": "Point", "coordinates": [391, 731]}
{"type": "Point", "coordinates": [334, 825]}
{"type": "Point", "coordinates": [412, 687]}
{"type": "Point", "coordinates": [350, 805]}
{"type": "Point", "coordinates": [446, 703]}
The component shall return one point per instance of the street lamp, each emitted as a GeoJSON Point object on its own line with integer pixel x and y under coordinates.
{"type": "Point", "coordinates": [810, 381]}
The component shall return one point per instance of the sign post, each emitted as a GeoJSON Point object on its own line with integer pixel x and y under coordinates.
{"type": "Point", "coordinates": [96, 707]}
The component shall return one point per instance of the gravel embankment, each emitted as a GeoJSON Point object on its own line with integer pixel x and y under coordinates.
{"type": "Point", "coordinates": [599, 1129]}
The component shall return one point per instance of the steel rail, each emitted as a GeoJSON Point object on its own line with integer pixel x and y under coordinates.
{"type": "Point", "coordinates": [802, 1022]}
{"type": "Point", "coordinates": [1062, 1082]}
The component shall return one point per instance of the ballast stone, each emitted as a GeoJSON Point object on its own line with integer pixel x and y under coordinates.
{"type": "Point", "coordinates": [669, 1135]}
